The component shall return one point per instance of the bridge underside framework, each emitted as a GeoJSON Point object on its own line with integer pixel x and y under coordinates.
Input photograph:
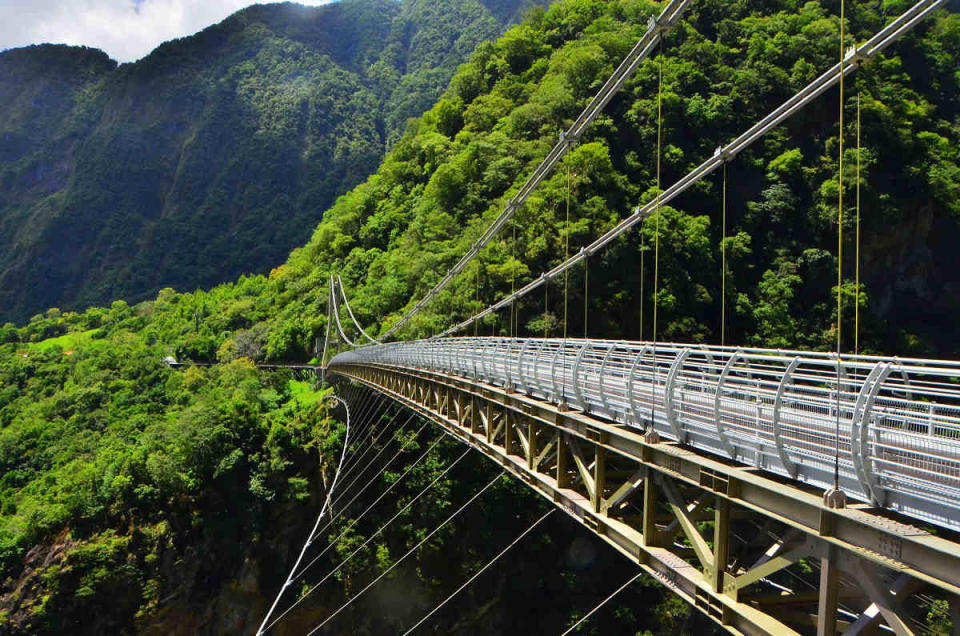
{"type": "Point", "coordinates": [756, 553]}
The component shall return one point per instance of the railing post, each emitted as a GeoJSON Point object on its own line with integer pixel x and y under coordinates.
{"type": "Point", "coordinates": [553, 374]}
{"type": "Point", "coordinates": [860, 433]}
{"type": "Point", "coordinates": [788, 464]}
{"type": "Point", "coordinates": [599, 476]}
{"type": "Point", "coordinates": [563, 477]}
{"type": "Point", "coordinates": [536, 364]}
{"type": "Point", "coordinates": [577, 389]}
{"type": "Point", "coordinates": [631, 400]}
{"type": "Point", "coordinates": [520, 359]}
{"type": "Point", "coordinates": [473, 359]}
{"type": "Point", "coordinates": [484, 376]}
{"type": "Point", "coordinates": [603, 371]}
{"type": "Point", "coordinates": [717, 413]}
{"type": "Point", "coordinates": [668, 396]}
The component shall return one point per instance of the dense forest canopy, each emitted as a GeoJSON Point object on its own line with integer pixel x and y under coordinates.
{"type": "Point", "coordinates": [117, 468]}
{"type": "Point", "coordinates": [216, 154]}
{"type": "Point", "coordinates": [723, 69]}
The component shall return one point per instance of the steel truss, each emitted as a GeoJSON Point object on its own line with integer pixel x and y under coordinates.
{"type": "Point", "coordinates": [739, 545]}
{"type": "Point", "coordinates": [890, 425]}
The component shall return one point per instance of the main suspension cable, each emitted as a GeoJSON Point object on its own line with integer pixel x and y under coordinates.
{"type": "Point", "coordinates": [356, 323]}
{"type": "Point", "coordinates": [336, 316]}
{"type": "Point", "coordinates": [480, 571]}
{"type": "Point", "coordinates": [409, 552]}
{"type": "Point", "coordinates": [326, 337]}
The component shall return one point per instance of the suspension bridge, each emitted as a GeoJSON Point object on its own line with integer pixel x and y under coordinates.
{"type": "Point", "coordinates": [719, 470]}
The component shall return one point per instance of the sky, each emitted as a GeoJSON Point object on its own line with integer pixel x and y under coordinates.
{"type": "Point", "coordinates": [126, 29]}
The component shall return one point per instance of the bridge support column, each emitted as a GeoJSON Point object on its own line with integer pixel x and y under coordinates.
{"type": "Point", "coordinates": [488, 422]}
{"type": "Point", "coordinates": [509, 433]}
{"type": "Point", "coordinates": [531, 444]}
{"type": "Point", "coordinates": [474, 415]}
{"type": "Point", "coordinates": [599, 477]}
{"type": "Point", "coordinates": [649, 525]}
{"type": "Point", "coordinates": [721, 544]}
{"type": "Point", "coordinates": [829, 594]}
{"type": "Point", "coordinates": [563, 462]}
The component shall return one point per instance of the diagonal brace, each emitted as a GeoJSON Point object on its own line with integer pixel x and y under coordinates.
{"type": "Point", "coordinates": [700, 546]}
{"type": "Point", "coordinates": [628, 487]}
{"type": "Point", "coordinates": [546, 451]}
{"type": "Point", "coordinates": [771, 565]}
{"type": "Point", "coordinates": [582, 466]}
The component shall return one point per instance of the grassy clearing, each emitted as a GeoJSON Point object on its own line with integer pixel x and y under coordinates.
{"type": "Point", "coordinates": [67, 342]}
{"type": "Point", "coordinates": [303, 393]}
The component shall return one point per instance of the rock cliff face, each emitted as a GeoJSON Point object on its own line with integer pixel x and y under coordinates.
{"type": "Point", "coordinates": [216, 154]}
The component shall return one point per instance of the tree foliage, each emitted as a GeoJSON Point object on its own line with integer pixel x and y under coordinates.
{"type": "Point", "coordinates": [106, 450]}
{"type": "Point", "coordinates": [216, 154]}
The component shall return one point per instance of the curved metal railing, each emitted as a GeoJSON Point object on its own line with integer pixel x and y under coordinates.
{"type": "Point", "coordinates": [899, 419]}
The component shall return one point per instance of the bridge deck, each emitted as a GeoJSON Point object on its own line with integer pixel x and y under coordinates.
{"type": "Point", "coordinates": [892, 425]}
{"type": "Point", "coordinates": [649, 500]}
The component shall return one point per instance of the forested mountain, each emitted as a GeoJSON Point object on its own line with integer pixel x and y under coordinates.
{"type": "Point", "coordinates": [162, 500]}
{"type": "Point", "coordinates": [216, 154]}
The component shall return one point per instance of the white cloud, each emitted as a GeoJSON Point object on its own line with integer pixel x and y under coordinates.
{"type": "Point", "coordinates": [126, 29]}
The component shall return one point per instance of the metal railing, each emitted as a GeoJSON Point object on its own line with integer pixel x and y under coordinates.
{"type": "Point", "coordinates": [898, 419]}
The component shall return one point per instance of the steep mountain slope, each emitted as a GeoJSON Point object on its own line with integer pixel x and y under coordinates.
{"type": "Point", "coordinates": [214, 155]}
{"type": "Point", "coordinates": [189, 491]}
{"type": "Point", "coordinates": [439, 188]}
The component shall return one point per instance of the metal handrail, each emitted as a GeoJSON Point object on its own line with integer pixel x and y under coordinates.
{"type": "Point", "coordinates": [776, 410]}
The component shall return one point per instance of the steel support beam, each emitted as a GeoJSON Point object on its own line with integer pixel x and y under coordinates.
{"type": "Point", "coordinates": [829, 593]}
{"type": "Point", "coordinates": [674, 479]}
